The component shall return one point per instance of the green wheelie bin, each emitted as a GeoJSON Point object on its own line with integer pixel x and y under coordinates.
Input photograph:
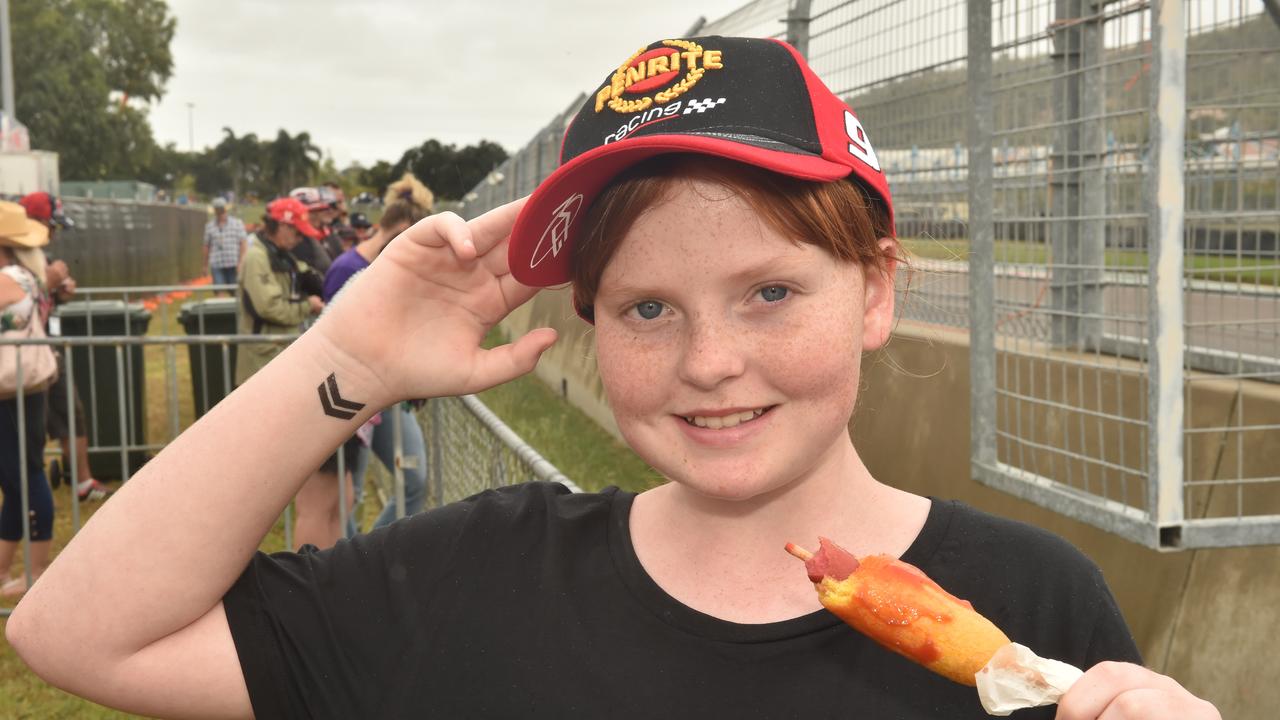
{"type": "Point", "coordinates": [111, 380]}
{"type": "Point", "coordinates": [212, 374]}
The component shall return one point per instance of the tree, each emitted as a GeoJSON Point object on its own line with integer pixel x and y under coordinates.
{"type": "Point", "coordinates": [449, 172]}
{"type": "Point", "coordinates": [378, 177]}
{"type": "Point", "coordinates": [70, 56]}
{"type": "Point", "coordinates": [243, 158]}
{"type": "Point", "coordinates": [291, 160]}
{"type": "Point", "coordinates": [131, 38]}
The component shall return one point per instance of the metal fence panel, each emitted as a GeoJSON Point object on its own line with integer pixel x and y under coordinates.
{"type": "Point", "coordinates": [131, 243]}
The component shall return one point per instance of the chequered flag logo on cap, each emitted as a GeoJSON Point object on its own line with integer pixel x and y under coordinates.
{"type": "Point", "coordinates": [701, 106]}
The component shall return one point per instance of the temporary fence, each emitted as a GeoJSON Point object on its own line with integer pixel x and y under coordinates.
{"type": "Point", "coordinates": [125, 242]}
{"type": "Point", "coordinates": [1090, 187]}
{"type": "Point", "coordinates": [109, 357]}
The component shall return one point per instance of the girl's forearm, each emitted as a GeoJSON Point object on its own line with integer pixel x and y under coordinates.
{"type": "Point", "coordinates": [183, 529]}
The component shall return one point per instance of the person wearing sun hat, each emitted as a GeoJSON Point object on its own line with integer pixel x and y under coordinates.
{"type": "Point", "coordinates": [24, 308]}
{"type": "Point", "coordinates": [726, 227]}
{"type": "Point", "coordinates": [272, 282]}
{"type": "Point", "coordinates": [44, 208]}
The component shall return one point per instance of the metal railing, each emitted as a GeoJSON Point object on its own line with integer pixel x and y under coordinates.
{"type": "Point", "coordinates": [469, 449]}
{"type": "Point", "coordinates": [1090, 187]}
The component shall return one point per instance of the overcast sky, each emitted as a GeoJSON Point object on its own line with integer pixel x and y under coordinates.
{"type": "Point", "coordinates": [369, 79]}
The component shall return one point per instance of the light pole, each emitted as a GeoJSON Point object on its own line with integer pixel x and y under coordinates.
{"type": "Point", "coordinates": [191, 124]}
{"type": "Point", "coordinates": [6, 64]}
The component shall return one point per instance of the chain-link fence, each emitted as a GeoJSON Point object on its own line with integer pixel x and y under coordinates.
{"type": "Point", "coordinates": [472, 450]}
{"type": "Point", "coordinates": [1090, 186]}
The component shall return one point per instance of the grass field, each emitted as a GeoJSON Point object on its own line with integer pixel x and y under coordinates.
{"type": "Point", "coordinates": [565, 436]}
{"type": "Point", "coordinates": [1250, 271]}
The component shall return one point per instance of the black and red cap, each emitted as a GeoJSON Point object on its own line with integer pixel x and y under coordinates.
{"type": "Point", "coordinates": [751, 100]}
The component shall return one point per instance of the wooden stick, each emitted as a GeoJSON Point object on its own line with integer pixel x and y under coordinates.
{"type": "Point", "coordinates": [799, 552]}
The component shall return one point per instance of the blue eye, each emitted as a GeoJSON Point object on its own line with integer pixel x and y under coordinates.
{"type": "Point", "coordinates": [649, 309]}
{"type": "Point", "coordinates": [773, 293]}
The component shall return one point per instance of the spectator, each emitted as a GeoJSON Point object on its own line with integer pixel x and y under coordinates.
{"type": "Point", "coordinates": [333, 189]}
{"type": "Point", "coordinates": [408, 187]}
{"type": "Point", "coordinates": [47, 210]}
{"type": "Point", "coordinates": [397, 218]}
{"type": "Point", "coordinates": [225, 240]}
{"type": "Point", "coordinates": [346, 238]}
{"type": "Point", "coordinates": [360, 223]}
{"type": "Point", "coordinates": [320, 214]}
{"type": "Point", "coordinates": [276, 294]}
{"type": "Point", "coordinates": [24, 307]}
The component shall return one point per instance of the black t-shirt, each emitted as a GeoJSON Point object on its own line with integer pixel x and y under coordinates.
{"type": "Point", "coordinates": [529, 602]}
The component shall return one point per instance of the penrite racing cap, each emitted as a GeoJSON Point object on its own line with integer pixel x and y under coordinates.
{"type": "Point", "coordinates": [751, 100]}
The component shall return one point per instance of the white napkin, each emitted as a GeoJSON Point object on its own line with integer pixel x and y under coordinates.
{"type": "Point", "coordinates": [1017, 678]}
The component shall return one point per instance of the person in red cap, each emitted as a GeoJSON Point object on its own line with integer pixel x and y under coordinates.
{"type": "Point", "coordinates": [322, 210]}
{"type": "Point", "coordinates": [273, 283]}
{"type": "Point", "coordinates": [724, 223]}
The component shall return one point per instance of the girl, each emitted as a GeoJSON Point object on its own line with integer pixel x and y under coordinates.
{"type": "Point", "coordinates": [732, 299]}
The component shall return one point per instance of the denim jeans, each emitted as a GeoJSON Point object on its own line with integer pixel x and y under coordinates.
{"type": "Point", "coordinates": [412, 445]}
{"type": "Point", "coordinates": [223, 275]}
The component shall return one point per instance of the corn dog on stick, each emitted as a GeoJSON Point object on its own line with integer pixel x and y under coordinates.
{"type": "Point", "coordinates": [899, 607]}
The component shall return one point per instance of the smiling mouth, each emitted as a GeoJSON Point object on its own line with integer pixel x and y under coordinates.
{"type": "Point", "coordinates": [725, 421]}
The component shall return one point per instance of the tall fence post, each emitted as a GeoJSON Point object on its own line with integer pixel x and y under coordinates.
{"type": "Point", "coordinates": [1064, 168]}
{"type": "Point", "coordinates": [798, 26]}
{"type": "Point", "coordinates": [1165, 196]}
{"type": "Point", "coordinates": [437, 465]}
{"type": "Point", "coordinates": [982, 340]}
{"type": "Point", "coordinates": [1077, 230]}
{"type": "Point", "coordinates": [1093, 181]}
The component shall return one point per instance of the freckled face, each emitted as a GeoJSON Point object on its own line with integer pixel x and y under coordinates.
{"type": "Point", "coordinates": [730, 355]}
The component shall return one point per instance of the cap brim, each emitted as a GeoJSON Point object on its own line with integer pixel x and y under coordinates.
{"type": "Point", "coordinates": [548, 225]}
{"type": "Point", "coordinates": [306, 228]}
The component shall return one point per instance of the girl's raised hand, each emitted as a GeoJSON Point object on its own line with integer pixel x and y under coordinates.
{"type": "Point", "coordinates": [415, 319]}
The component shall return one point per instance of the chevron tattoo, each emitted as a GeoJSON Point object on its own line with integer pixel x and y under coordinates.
{"type": "Point", "coordinates": [333, 403]}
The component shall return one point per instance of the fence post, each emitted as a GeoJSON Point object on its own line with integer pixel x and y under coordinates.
{"type": "Point", "coordinates": [798, 26]}
{"type": "Point", "coordinates": [982, 341]}
{"type": "Point", "coordinates": [24, 477]}
{"type": "Point", "coordinates": [1093, 180]}
{"type": "Point", "coordinates": [1165, 197]}
{"type": "Point", "coordinates": [1064, 183]}
{"type": "Point", "coordinates": [397, 476]}
{"type": "Point", "coordinates": [437, 468]}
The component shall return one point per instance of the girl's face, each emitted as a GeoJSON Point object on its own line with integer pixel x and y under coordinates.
{"type": "Point", "coordinates": [730, 354]}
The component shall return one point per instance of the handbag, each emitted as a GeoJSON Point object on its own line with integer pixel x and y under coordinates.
{"type": "Point", "coordinates": [39, 364]}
